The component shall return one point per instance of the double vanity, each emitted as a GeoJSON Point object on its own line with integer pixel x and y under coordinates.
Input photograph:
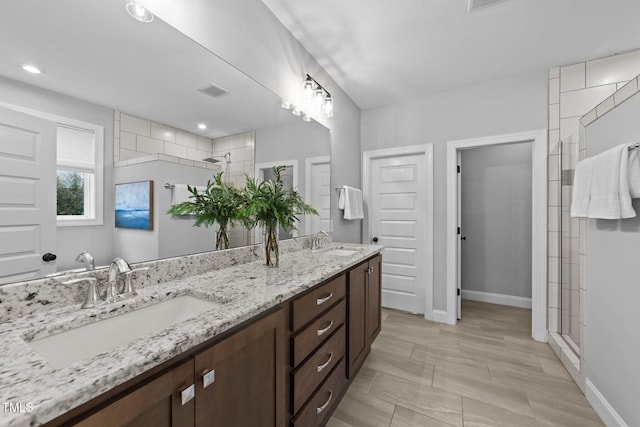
{"type": "Point", "coordinates": [238, 345]}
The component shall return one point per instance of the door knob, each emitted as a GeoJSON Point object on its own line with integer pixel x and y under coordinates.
{"type": "Point", "coordinates": [375, 240]}
{"type": "Point", "coordinates": [49, 257]}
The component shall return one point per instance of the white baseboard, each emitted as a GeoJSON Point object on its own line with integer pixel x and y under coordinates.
{"type": "Point", "coordinates": [496, 298]}
{"type": "Point", "coordinates": [440, 316]}
{"type": "Point", "coordinates": [609, 415]}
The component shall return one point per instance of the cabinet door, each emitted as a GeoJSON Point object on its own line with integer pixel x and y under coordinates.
{"type": "Point", "coordinates": [241, 380]}
{"type": "Point", "coordinates": [156, 404]}
{"type": "Point", "coordinates": [374, 312]}
{"type": "Point", "coordinates": [357, 340]}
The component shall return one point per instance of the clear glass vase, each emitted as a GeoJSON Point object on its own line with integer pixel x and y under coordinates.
{"type": "Point", "coordinates": [271, 243]}
{"type": "Point", "coordinates": [222, 237]}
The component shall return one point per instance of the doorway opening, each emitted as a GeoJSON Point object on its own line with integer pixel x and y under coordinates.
{"type": "Point", "coordinates": [495, 224]}
{"type": "Point", "coordinates": [537, 141]}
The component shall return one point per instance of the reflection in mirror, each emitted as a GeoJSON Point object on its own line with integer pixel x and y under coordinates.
{"type": "Point", "coordinates": [141, 89]}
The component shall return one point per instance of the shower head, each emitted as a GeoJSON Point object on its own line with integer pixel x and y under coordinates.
{"type": "Point", "coordinates": [214, 159]}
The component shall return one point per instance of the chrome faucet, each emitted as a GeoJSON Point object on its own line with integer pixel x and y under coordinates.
{"type": "Point", "coordinates": [87, 258]}
{"type": "Point", "coordinates": [315, 242]}
{"type": "Point", "coordinates": [118, 265]}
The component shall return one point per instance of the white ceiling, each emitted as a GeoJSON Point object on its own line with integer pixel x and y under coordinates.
{"type": "Point", "coordinates": [384, 51]}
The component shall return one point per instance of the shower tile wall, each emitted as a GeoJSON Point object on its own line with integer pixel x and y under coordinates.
{"type": "Point", "coordinates": [574, 90]}
{"type": "Point", "coordinates": [137, 137]}
{"type": "Point", "coordinates": [242, 154]}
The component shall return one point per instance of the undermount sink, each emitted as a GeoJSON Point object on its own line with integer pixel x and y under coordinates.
{"type": "Point", "coordinates": [340, 252]}
{"type": "Point", "coordinates": [63, 349]}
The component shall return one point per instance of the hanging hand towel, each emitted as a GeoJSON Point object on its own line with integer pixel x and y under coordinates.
{"type": "Point", "coordinates": [351, 201]}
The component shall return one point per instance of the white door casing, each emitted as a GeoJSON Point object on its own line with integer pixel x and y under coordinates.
{"type": "Point", "coordinates": [538, 225]}
{"type": "Point", "coordinates": [27, 195]}
{"type": "Point", "coordinates": [318, 193]}
{"type": "Point", "coordinates": [398, 199]}
{"type": "Point", "coordinates": [459, 232]}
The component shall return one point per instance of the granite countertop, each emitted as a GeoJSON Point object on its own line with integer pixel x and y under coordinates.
{"type": "Point", "coordinates": [39, 392]}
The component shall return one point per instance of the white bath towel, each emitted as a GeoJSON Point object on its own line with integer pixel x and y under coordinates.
{"type": "Point", "coordinates": [351, 202]}
{"type": "Point", "coordinates": [182, 194]}
{"type": "Point", "coordinates": [634, 172]}
{"type": "Point", "coordinates": [581, 195]}
{"type": "Point", "coordinates": [608, 194]}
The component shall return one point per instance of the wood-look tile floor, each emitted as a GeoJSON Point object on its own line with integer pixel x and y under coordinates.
{"type": "Point", "coordinates": [485, 371]}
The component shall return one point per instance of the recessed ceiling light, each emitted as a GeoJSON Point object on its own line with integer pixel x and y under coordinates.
{"type": "Point", "coordinates": [137, 11]}
{"type": "Point", "coordinates": [31, 69]}
{"type": "Point", "coordinates": [202, 126]}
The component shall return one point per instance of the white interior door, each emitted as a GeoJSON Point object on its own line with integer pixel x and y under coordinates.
{"type": "Point", "coordinates": [397, 210]}
{"type": "Point", "coordinates": [27, 195]}
{"type": "Point", "coordinates": [318, 194]}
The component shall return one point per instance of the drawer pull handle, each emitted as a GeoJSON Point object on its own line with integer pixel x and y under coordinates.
{"type": "Point", "coordinates": [188, 394]}
{"type": "Point", "coordinates": [323, 407]}
{"type": "Point", "coordinates": [325, 364]}
{"type": "Point", "coordinates": [321, 301]}
{"type": "Point", "coordinates": [208, 378]}
{"type": "Point", "coordinates": [321, 332]}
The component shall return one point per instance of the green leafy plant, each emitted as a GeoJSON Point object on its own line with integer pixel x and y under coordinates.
{"type": "Point", "coordinates": [269, 204]}
{"type": "Point", "coordinates": [219, 204]}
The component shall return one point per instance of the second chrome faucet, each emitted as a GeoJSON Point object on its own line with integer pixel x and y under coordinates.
{"type": "Point", "coordinates": [115, 291]}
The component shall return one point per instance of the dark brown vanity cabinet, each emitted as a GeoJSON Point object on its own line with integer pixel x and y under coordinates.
{"type": "Point", "coordinates": [158, 403]}
{"type": "Point", "coordinates": [318, 350]}
{"type": "Point", "coordinates": [364, 318]}
{"type": "Point", "coordinates": [239, 381]}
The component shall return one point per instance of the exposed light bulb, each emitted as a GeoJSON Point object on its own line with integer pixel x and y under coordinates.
{"type": "Point", "coordinates": [202, 126]}
{"type": "Point", "coordinates": [31, 69]}
{"type": "Point", "coordinates": [307, 118]}
{"type": "Point", "coordinates": [286, 105]}
{"type": "Point", "coordinates": [138, 12]}
{"type": "Point", "coordinates": [308, 89]}
{"type": "Point", "coordinates": [328, 106]}
{"type": "Point", "coordinates": [319, 96]}
{"type": "Point", "coordinates": [296, 111]}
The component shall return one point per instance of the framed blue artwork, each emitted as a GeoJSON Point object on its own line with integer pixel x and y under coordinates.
{"type": "Point", "coordinates": [134, 205]}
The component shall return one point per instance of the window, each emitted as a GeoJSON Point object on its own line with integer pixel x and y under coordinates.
{"type": "Point", "coordinates": [79, 175]}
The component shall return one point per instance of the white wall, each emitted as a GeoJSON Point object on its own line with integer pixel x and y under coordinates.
{"type": "Point", "coordinates": [169, 237]}
{"type": "Point", "coordinates": [496, 219]}
{"type": "Point", "coordinates": [612, 292]}
{"type": "Point", "coordinates": [73, 240]}
{"type": "Point", "coordinates": [246, 34]}
{"type": "Point", "coordinates": [497, 107]}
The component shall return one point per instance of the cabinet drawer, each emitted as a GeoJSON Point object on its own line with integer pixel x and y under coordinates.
{"type": "Point", "coordinates": [305, 308]}
{"type": "Point", "coordinates": [313, 335]}
{"type": "Point", "coordinates": [321, 404]}
{"type": "Point", "coordinates": [312, 372]}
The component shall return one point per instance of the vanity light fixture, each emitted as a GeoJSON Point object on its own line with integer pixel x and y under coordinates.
{"type": "Point", "coordinates": [322, 96]}
{"type": "Point", "coordinates": [202, 126]}
{"type": "Point", "coordinates": [138, 12]}
{"type": "Point", "coordinates": [29, 68]}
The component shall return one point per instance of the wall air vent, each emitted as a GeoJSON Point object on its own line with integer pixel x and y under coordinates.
{"type": "Point", "coordinates": [478, 4]}
{"type": "Point", "coordinates": [213, 90]}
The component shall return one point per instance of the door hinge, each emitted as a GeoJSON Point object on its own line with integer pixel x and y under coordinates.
{"type": "Point", "coordinates": [458, 230]}
{"type": "Point", "coordinates": [458, 291]}
{"type": "Point", "coordinates": [458, 168]}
